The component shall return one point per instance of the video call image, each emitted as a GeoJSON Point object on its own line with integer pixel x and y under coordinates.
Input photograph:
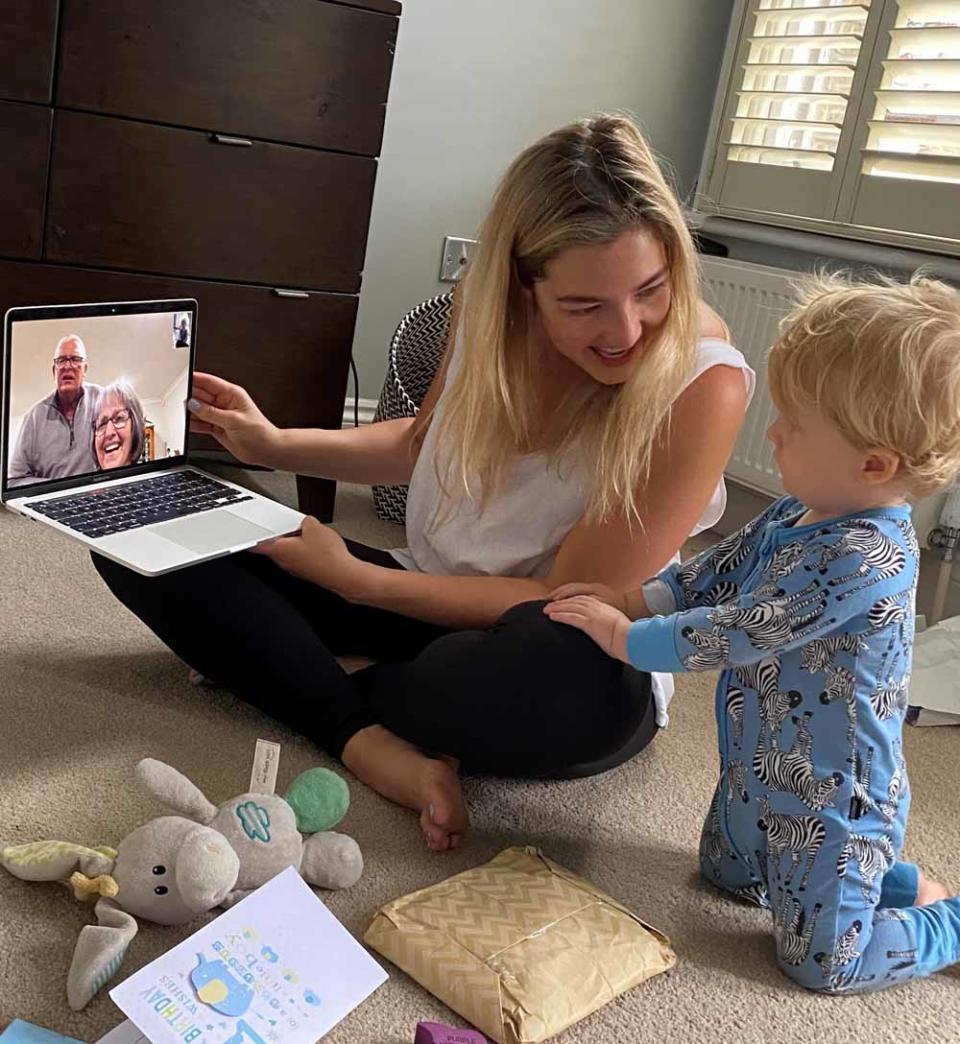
{"type": "Point", "coordinates": [96, 394]}
{"type": "Point", "coordinates": [181, 329]}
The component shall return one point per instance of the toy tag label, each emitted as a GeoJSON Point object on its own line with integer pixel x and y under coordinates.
{"type": "Point", "coordinates": [266, 760]}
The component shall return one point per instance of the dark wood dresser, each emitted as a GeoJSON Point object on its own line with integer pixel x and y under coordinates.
{"type": "Point", "coordinates": [217, 149]}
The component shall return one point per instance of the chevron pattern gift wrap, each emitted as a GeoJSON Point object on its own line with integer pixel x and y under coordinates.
{"type": "Point", "coordinates": [520, 947]}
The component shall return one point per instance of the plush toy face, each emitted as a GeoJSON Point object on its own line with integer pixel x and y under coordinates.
{"type": "Point", "coordinates": [172, 869]}
{"type": "Point", "coordinates": [179, 866]}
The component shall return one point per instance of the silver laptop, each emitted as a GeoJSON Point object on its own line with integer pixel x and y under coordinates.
{"type": "Point", "coordinates": [94, 437]}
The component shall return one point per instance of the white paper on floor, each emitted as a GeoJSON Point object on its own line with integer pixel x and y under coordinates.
{"type": "Point", "coordinates": [125, 1033]}
{"type": "Point", "coordinates": [935, 681]}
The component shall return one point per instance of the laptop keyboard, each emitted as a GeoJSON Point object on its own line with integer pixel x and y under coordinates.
{"type": "Point", "coordinates": [102, 512]}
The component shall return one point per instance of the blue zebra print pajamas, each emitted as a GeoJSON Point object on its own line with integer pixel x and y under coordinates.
{"type": "Point", "coordinates": [812, 627]}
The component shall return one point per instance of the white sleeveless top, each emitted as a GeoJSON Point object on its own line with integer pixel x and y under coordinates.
{"type": "Point", "coordinates": [519, 533]}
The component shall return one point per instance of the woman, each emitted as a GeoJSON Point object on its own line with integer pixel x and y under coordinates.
{"type": "Point", "coordinates": [577, 431]}
{"type": "Point", "coordinates": [118, 431]}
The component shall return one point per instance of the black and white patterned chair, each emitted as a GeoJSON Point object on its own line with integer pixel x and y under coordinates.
{"type": "Point", "coordinates": [416, 350]}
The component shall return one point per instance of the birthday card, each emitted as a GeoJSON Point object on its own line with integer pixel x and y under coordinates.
{"type": "Point", "coordinates": [276, 967]}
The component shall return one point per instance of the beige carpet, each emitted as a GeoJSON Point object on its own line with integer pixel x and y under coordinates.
{"type": "Point", "coordinates": [85, 691]}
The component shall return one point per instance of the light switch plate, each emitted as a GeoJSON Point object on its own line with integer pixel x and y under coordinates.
{"type": "Point", "coordinates": [456, 253]}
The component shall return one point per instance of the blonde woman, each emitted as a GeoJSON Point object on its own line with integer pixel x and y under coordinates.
{"type": "Point", "coordinates": [577, 431]}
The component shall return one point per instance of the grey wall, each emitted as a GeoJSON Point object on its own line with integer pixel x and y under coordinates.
{"type": "Point", "coordinates": [474, 81]}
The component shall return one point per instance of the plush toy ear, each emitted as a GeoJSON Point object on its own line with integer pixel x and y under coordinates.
{"type": "Point", "coordinates": [99, 952]}
{"type": "Point", "coordinates": [175, 790]}
{"type": "Point", "coordinates": [55, 860]}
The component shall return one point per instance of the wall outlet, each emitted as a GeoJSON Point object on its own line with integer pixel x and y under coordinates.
{"type": "Point", "coordinates": [456, 253]}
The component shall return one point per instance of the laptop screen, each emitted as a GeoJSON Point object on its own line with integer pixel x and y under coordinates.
{"type": "Point", "coordinates": [94, 392]}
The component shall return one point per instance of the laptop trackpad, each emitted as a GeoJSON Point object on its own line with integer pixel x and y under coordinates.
{"type": "Point", "coordinates": [213, 532]}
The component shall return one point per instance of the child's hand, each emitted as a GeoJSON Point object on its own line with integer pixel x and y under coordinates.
{"type": "Point", "coordinates": [617, 599]}
{"type": "Point", "coordinates": [606, 625]}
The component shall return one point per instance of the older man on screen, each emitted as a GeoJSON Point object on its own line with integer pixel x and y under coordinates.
{"type": "Point", "coordinates": [55, 439]}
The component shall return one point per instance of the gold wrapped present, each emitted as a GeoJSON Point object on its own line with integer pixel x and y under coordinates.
{"type": "Point", "coordinates": [520, 947]}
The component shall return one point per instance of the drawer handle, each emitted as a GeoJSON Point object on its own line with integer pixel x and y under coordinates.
{"type": "Point", "coordinates": [229, 139]}
{"type": "Point", "coordinates": [290, 293]}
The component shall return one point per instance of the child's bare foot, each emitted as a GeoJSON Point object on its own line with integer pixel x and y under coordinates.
{"type": "Point", "coordinates": [399, 771]}
{"type": "Point", "coordinates": [929, 891]}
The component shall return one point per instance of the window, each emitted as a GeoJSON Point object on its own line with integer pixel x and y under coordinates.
{"type": "Point", "coordinates": [843, 118]}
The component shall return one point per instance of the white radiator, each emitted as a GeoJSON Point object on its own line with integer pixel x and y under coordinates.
{"type": "Point", "coordinates": [752, 299]}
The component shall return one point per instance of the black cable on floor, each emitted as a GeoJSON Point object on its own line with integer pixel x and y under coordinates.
{"type": "Point", "coordinates": [356, 393]}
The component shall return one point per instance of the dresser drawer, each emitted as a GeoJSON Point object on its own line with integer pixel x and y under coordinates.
{"type": "Point", "coordinates": [27, 40]}
{"type": "Point", "coordinates": [160, 199]}
{"type": "Point", "coordinates": [393, 7]}
{"type": "Point", "coordinates": [291, 353]}
{"type": "Point", "coordinates": [25, 148]}
{"type": "Point", "coordinates": [302, 71]}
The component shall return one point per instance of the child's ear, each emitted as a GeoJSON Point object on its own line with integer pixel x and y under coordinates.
{"type": "Point", "coordinates": [880, 466]}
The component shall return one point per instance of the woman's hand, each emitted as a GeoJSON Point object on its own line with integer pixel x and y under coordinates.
{"type": "Point", "coordinates": [607, 626]}
{"type": "Point", "coordinates": [617, 599]}
{"type": "Point", "coordinates": [318, 554]}
{"type": "Point", "coordinates": [227, 412]}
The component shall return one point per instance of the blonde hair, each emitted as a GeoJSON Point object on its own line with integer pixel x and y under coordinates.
{"type": "Point", "coordinates": [881, 361]}
{"type": "Point", "coordinates": [587, 183]}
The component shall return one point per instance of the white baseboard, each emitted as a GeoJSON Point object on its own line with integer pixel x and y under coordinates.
{"type": "Point", "coordinates": [366, 411]}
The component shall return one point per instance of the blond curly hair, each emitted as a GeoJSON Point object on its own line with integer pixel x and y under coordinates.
{"type": "Point", "coordinates": [881, 361]}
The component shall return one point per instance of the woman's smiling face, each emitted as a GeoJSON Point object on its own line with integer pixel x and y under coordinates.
{"type": "Point", "coordinates": [599, 305]}
{"type": "Point", "coordinates": [113, 434]}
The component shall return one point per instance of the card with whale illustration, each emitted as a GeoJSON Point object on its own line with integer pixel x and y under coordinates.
{"type": "Point", "coordinates": [276, 967]}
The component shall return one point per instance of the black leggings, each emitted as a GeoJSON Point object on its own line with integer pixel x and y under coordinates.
{"type": "Point", "coordinates": [528, 697]}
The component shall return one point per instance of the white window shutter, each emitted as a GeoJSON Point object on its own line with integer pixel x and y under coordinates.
{"type": "Point", "coordinates": [908, 172]}
{"type": "Point", "coordinates": [842, 117]}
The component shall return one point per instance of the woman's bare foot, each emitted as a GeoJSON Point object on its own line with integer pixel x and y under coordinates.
{"type": "Point", "coordinates": [929, 891]}
{"type": "Point", "coordinates": [399, 771]}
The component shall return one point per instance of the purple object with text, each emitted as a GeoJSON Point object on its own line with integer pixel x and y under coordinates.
{"type": "Point", "coordinates": [436, 1033]}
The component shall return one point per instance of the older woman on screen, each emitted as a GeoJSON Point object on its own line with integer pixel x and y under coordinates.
{"type": "Point", "coordinates": [118, 431]}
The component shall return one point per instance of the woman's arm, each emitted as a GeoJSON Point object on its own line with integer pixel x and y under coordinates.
{"type": "Point", "coordinates": [685, 472]}
{"type": "Point", "coordinates": [458, 602]}
{"type": "Point", "coordinates": [374, 454]}
{"type": "Point", "coordinates": [703, 427]}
